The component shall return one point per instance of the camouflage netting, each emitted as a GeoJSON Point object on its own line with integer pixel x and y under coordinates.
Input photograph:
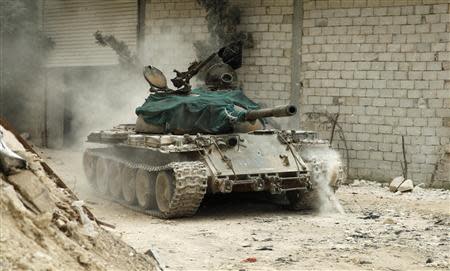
{"type": "Point", "coordinates": [203, 111]}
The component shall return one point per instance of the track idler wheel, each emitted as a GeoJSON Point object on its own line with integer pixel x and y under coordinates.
{"type": "Point", "coordinates": [89, 165]}
{"type": "Point", "coordinates": [115, 182]}
{"type": "Point", "coordinates": [145, 189]}
{"type": "Point", "coordinates": [165, 185]}
{"type": "Point", "coordinates": [128, 178]}
{"type": "Point", "coordinates": [102, 176]}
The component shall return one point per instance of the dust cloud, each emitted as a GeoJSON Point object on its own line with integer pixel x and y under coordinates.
{"type": "Point", "coordinates": [170, 51]}
{"type": "Point", "coordinates": [23, 49]}
{"type": "Point", "coordinates": [89, 98]}
{"type": "Point", "coordinates": [100, 98]}
{"type": "Point", "coordinates": [325, 163]}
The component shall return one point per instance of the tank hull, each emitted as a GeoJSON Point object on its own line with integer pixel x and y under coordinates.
{"type": "Point", "coordinates": [168, 175]}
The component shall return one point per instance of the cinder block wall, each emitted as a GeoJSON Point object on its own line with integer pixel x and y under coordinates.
{"type": "Point", "coordinates": [385, 67]}
{"type": "Point", "coordinates": [265, 75]}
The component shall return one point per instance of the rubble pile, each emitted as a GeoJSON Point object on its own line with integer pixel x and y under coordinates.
{"type": "Point", "coordinates": [44, 226]}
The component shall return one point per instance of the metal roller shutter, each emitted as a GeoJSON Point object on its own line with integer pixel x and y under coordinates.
{"type": "Point", "coordinates": [72, 23]}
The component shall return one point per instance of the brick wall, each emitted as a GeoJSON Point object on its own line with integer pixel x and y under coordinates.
{"type": "Point", "coordinates": [265, 75]}
{"type": "Point", "coordinates": [385, 67]}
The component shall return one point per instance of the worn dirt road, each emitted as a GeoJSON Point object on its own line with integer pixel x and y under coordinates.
{"type": "Point", "coordinates": [380, 230]}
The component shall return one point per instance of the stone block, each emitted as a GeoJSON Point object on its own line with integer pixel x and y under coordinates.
{"type": "Point", "coordinates": [442, 8]}
{"type": "Point", "coordinates": [395, 183]}
{"type": "Point", "coordinates": [413, 130]}
{"type": "Point", "coordinates": [33, 190]}
{"type": "Point", "coordinates": [405, 186]}
{"type": "Point", "coordinates": [434, 66]}
{"type": "Point", "coordinates": [438, 28]}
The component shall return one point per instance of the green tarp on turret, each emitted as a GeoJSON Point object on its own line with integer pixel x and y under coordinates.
{"type": "Point", "coordinates": [202, 111]}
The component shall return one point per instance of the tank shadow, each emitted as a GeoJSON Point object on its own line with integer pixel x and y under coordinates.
{"type": "Point", "coordinates": [238, 205]}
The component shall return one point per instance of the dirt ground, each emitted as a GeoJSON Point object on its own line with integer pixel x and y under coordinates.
{"type": "Point", "coordinates": [380, 230]}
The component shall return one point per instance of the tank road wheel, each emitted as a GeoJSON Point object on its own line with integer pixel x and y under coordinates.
{"type": "Point", "coordinates": [89, 167]}
{"type": "Point", "coordinates": [102, 176]}
{"type": "Point", "coordinates": [303, 200]}
{"type": "Point", "coordinates": [128, 178]}
{"type": "Point", "coordinates": [145, 189]}
{"type": "Point", "coordinates": [115, 182]}
{"type": "Point", "coordinates": [165, 185]}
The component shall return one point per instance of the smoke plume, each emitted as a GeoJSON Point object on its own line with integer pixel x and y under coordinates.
{"type": "Point", "coordinates": [223, 20]}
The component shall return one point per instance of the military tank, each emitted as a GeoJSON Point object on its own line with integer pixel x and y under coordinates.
{"type": "Point", "coordinates": [165, 168]}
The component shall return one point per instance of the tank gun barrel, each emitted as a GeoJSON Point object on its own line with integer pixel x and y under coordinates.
{"type": "Point", "coordinates": [279, 111]}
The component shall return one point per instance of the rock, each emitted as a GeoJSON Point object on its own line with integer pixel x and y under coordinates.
{"type": "Point", "coordinates": [33, 190]}
{"type": "Point", "coordinates": [265, 248]}
{"type": "Point", "coordinates": [406, 186]}
{"type": "Point", "coordinates": [417, 189]}
{"type": "Point", "coordinates": [42, 256]}
{"type": "Point", "coordinates": [43, 220]}
{"type": "Point", "coordinates": [361, 234]}
{"type": "Point", "coordinates": [362, 260]}
{"type": "Point", "coordinates": [11, 197]}
{"type": "Point", "coordinates": [395, 183]}
{"type": "Point", "coordinates": [389, 221]}
{"type": "Point", "coordinates": [370, 215]}
{"type": "Point", "coordinates": [83, 259]}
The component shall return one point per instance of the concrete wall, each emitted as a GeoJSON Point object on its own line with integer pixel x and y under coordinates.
{"type": "Point", "coordinates": [385, 67]}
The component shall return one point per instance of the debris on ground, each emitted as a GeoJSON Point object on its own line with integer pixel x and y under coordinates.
{"type": "Point", "coordinates": [399, 184]}
{"type": "Point", "coordinates": [8, 158]}
{"type": "Point", "coordinates": [389, 221]}
{"type": "Point", "coordinates": [371, 215]}
{"type": "Point", "coordinates": [411, 228]}
{"type": "Point", "coordinates": [406, 186]}
{"type": "Point", "coordinates": [265, 248]}
{"type": "Point", "coordinates": [45, 227]}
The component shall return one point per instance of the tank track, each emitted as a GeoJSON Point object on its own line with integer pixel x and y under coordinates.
{"type": "Point", "coordinates": [190, 186]}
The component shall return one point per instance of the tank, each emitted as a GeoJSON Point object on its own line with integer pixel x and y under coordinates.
{"type": "Point", "coordinates": [167, 176]}
{"type": "Point", "coordinates": [166, 170]}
